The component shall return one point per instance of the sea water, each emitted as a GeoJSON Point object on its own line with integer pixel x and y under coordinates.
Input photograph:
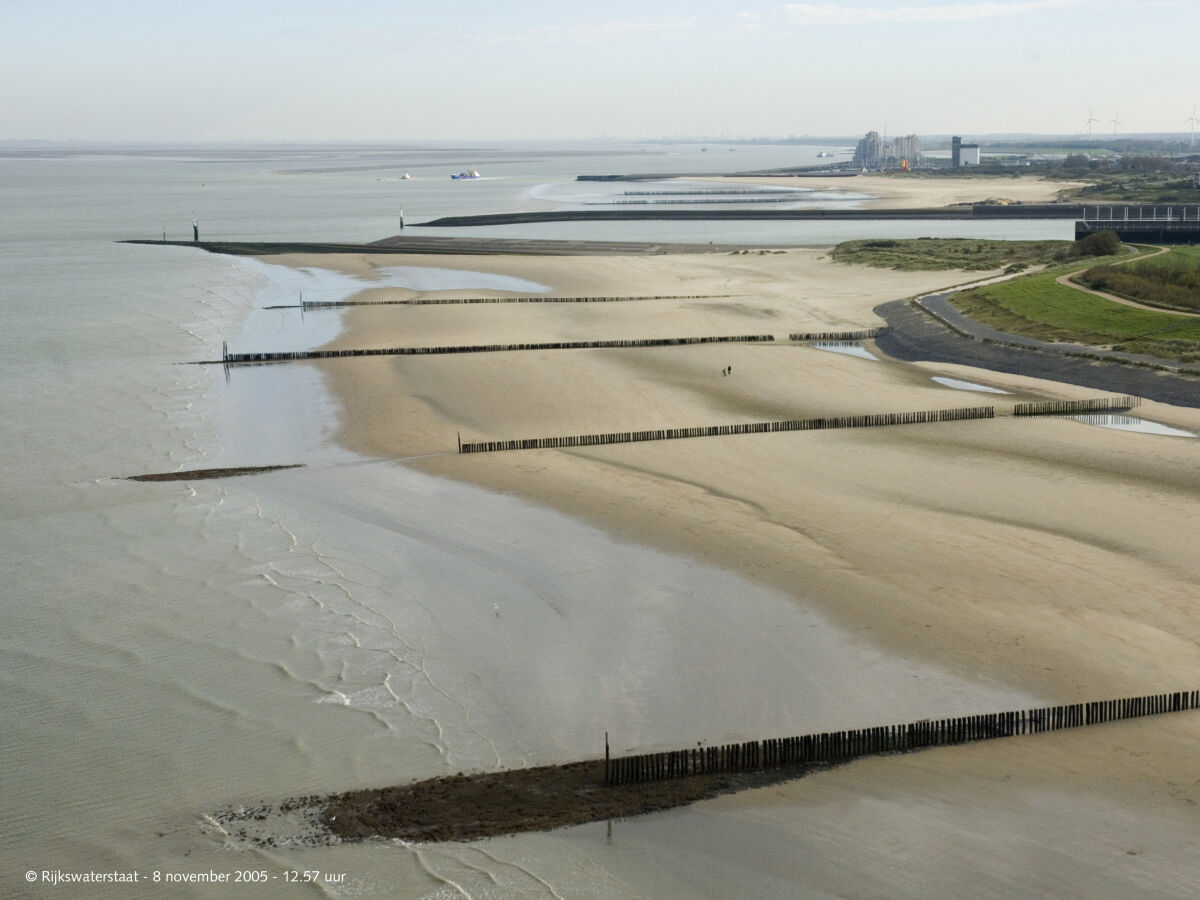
{"type": "Point", "coordinates": [846, 348]}
{"type": "Point", "coordinates": [171, 650]}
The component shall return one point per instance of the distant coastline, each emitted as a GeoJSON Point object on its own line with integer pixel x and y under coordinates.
{"type": "Point", "coordinates": [975, 211]}
{"type": "Point", "coordinates": [449, 246]}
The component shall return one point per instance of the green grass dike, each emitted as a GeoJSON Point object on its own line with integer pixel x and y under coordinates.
{"type": "Point", "coordinates": [1170, 281]}
{"type": "Point", "coordinates": [1039, 307]}
{"type": "Point", "coordinates": [1036, 306]}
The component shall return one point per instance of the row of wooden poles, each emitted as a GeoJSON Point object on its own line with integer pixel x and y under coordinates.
{"type": "Point", "coordinates": [281, 356]}
{"type": "Point", "coordinates": [667, 434]}
{"type": "Point", "coordinates": [287, 356]}
{"type": "Point", "coordinates": [1059, 407]}
{"type": "Point", "coordinates": [866, 421]}
{"type": "Point", "coordinates": [841, 746]}
{"type": "Point", "coordinates": [862, 335]}
{"type": "Point", "coordinates": [451, 301]}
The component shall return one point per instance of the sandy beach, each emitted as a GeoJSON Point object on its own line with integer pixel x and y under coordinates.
{"type": "Point", "coordinates": [991, 547]}
{"type": "Point", "coordinates": [1042, 555]}
{"type": "Point", "coordinates": [920, 192]}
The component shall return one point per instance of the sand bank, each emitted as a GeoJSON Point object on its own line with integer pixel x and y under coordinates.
{"type": "Point", "coordinates": [1043, 555]}
{"type": "Point", "coordinates": [994, 547]}
{"type": "Point", "coordinates": [920, 192]}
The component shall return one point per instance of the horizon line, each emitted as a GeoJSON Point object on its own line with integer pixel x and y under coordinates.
{"type": "Point", "coordinates": [698, 138]}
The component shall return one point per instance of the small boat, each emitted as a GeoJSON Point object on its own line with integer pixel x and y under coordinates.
{"type": "Point", "coordinates": [466, 176]}
{"type": "Point", "coordinates": [406, 177]}
{"type": "Point", "coordinates": [824, 154]}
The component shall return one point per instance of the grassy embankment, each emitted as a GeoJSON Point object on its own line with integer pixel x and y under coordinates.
{"type": "Point", "coordinates": [1036, 305]}
{"type": "Point", "coordinates": [1039, 307]}
{"type": "Point", "coordinates": [1170, 281]}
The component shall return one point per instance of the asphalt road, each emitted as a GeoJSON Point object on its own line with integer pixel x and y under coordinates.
{"type": "Point", "coordinates": [918, 336]}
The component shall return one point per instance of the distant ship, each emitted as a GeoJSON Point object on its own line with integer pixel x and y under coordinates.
{"type": "Point", "coordinates": [823, 154]}
{"type": "Point", "coordinates": [466, 176]}
{"type": "Point", "coordinates": [406, 177]}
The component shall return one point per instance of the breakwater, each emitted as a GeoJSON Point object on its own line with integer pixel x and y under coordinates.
{"type": "Point", "coordinates": [469, 807]}
{"type": "Point", "coordinates": [454, 246]}
{"type": "Point", "coordinates": [864, 334]}
{"type": "Point", "coordinates": [834, 747]}
{"type": "Point", "coordinates": [291, 356]}
{"type": "Point", "coordinates": [977, 211]}
{"type": "Point", "coordinates": [1070, 407]}
{"type": "Point", "coordinates": [668, 434]}
{"type": "Point", "coordinates": [200, 474]}
{"type": "Point", "coordinates": [682, 198]}
{"type": "Point", "coordinates": [743, 192]}
{"type": "Point", "coordinates": [804, 172]}
{"type": "Point", "coordinates": [451, 301]}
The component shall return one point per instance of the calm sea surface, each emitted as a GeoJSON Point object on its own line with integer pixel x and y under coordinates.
{"type": "Point", "coordinates": [171, 650]}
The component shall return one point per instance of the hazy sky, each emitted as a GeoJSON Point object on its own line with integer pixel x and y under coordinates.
{"type": "Point", "coordinates": [399, 70]}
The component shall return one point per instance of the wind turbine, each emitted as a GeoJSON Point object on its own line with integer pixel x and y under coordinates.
{"type": "Point", "coordinates": [1091, 120]}
{"type": "Point", "coordinates": [1115, 122]}
{"type": "Point", "coordinates": [1192, 120]}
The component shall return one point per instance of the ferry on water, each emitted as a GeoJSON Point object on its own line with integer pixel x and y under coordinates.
{"type": "Point", "coordinates": [469, 175]}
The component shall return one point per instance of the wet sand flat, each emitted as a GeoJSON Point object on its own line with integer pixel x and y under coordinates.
{"type": "Point", "coordinates": [1045, 555]}
{"type": "Point", "coordinates": [938, 540]}
{"type": "Point", "coordinates": [922, 192]}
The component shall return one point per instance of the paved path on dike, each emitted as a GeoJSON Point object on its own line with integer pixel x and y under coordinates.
{"type": "Point", "coordinates": [1065, 281]}
{"type": "Point", "coordinates": [931, 328]}
{"type": "Point", "coordinates": [924, 333]}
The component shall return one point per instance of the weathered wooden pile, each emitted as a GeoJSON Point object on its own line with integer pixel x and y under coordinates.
{"type": "Point", "coordinates": [841, 746]}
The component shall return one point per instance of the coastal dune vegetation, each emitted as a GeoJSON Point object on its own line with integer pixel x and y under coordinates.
{"type": "Point", "coordinates": [1171, 280]}
{"type": "Point", "coordinates": [934, 254]}
{"type": "Point", "coordinates": [969, 254]}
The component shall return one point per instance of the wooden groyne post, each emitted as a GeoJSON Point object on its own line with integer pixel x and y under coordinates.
{"type": "Point", "coordinates": [287, 356]}
{"type": "Point", "coordinates": [842, 746]}
{"type": "Point", "coordinates": [463, 301]}
{"type": "Point", "coordinates": [667, 434]}
{"type": "Point", "coordinates": [861, 335]}
{"type": "Point", "coordinates": [1073, 407]}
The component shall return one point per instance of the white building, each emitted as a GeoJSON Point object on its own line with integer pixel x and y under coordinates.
{"type": "Point", "coordinates": [874, 153]}
{"type": "Point", "coordinates": [869, 152]}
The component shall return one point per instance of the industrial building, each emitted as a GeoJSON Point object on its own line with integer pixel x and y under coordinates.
{"type": "Point", "coordinates": [963, 154]}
